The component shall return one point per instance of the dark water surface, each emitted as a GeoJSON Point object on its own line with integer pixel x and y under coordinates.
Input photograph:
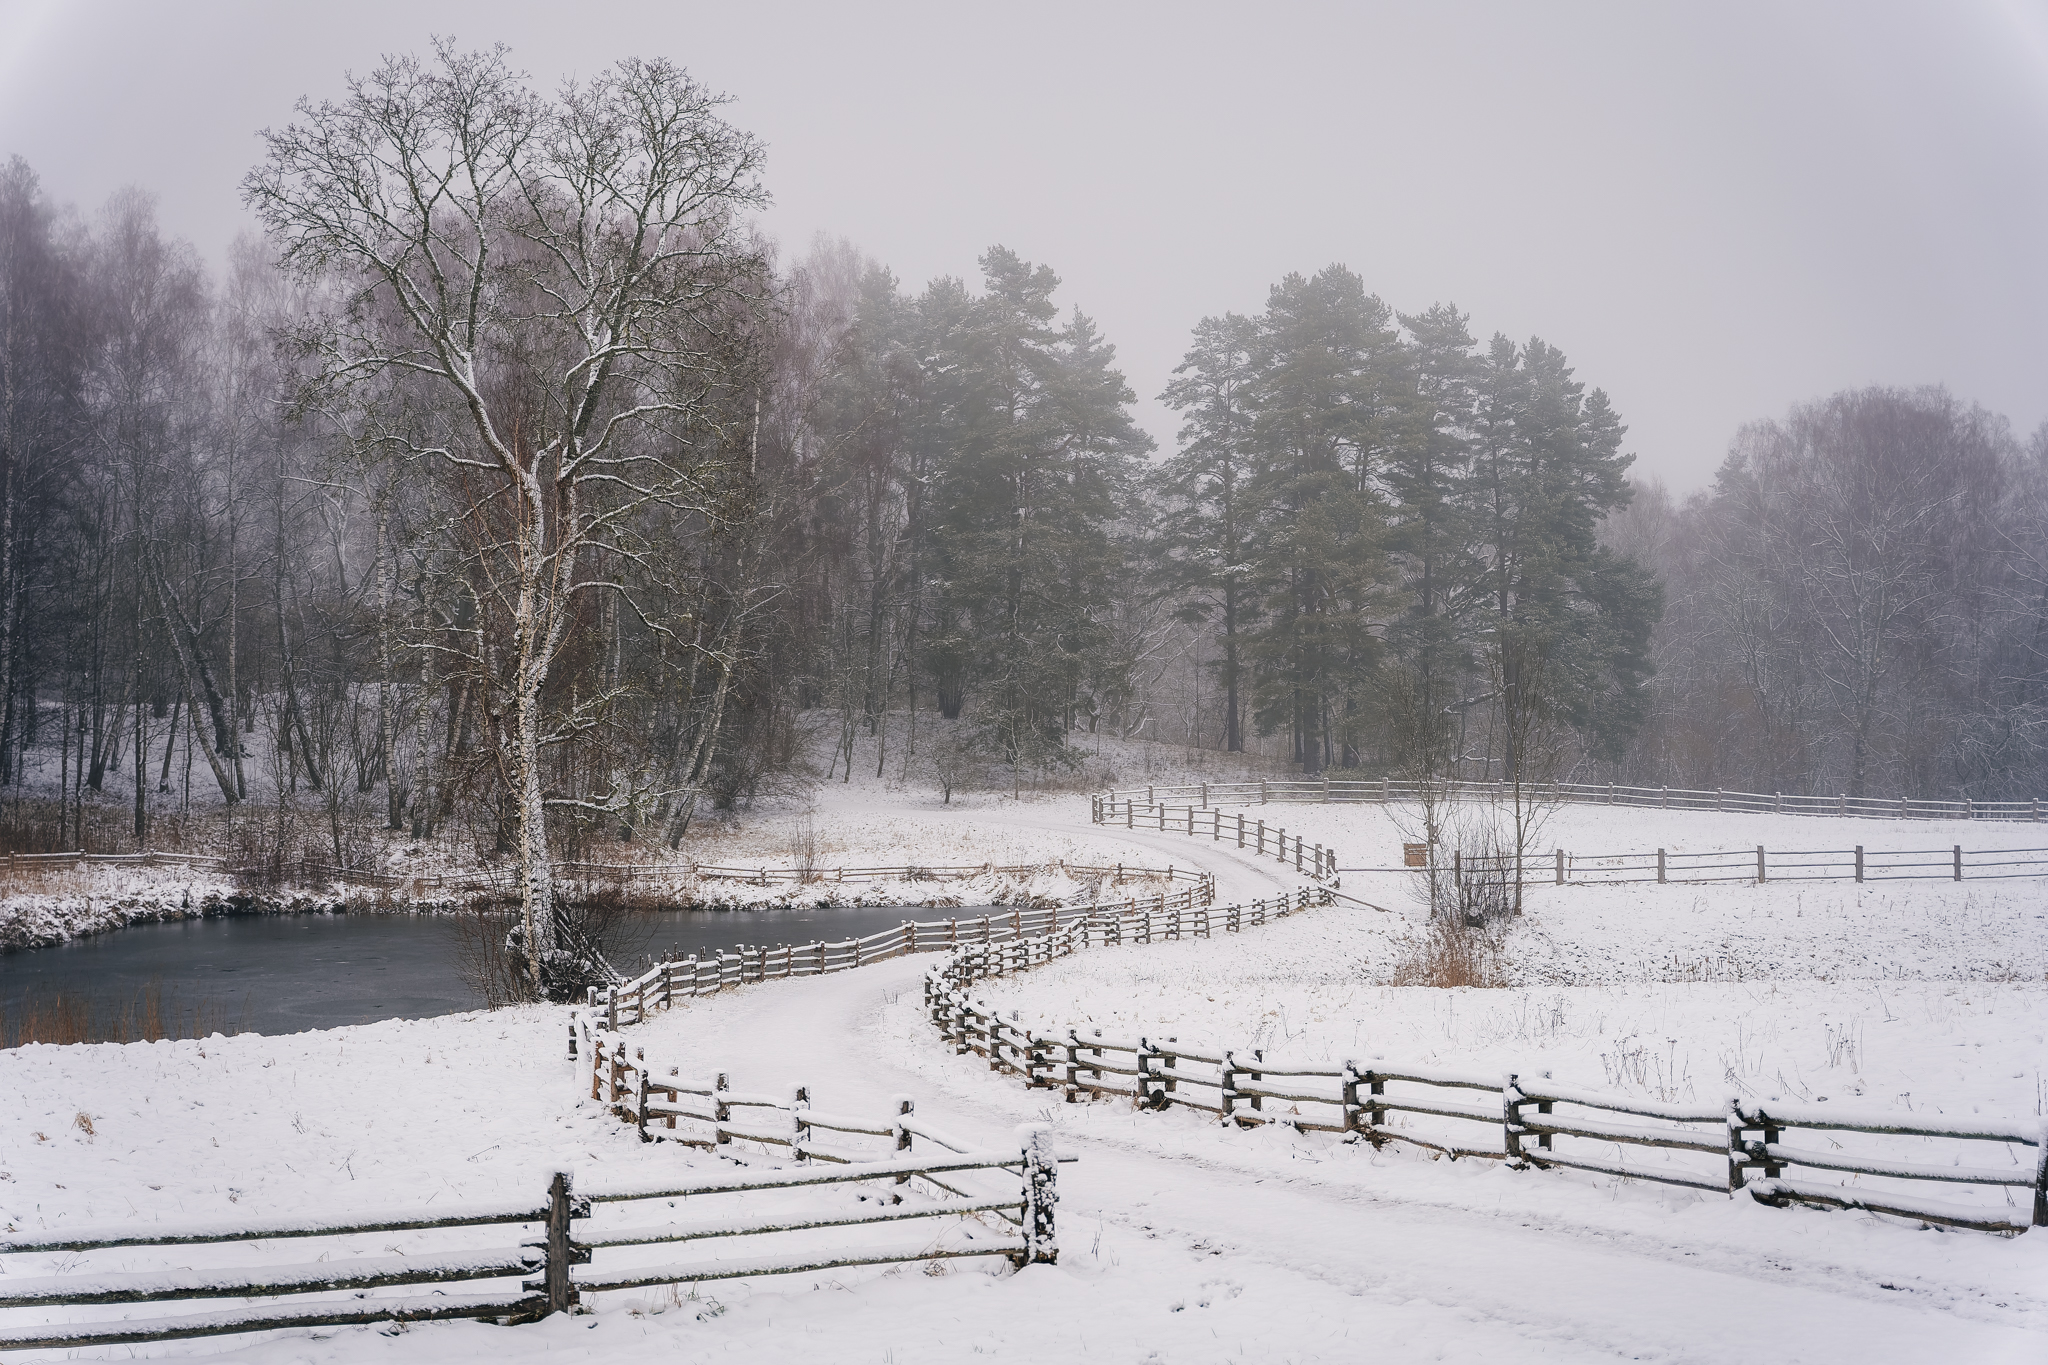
{"type": "Point", "coordinates": [285, 973]}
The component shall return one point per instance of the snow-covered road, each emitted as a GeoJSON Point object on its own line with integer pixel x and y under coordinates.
{"type": "Point", "coordinates": [1182, 1241]}
{"type": "Point", "coordinates": [1354, 1253]}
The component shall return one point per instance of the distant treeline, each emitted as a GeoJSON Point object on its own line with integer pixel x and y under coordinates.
{"type": "Point", "coordinates": [561, 495]}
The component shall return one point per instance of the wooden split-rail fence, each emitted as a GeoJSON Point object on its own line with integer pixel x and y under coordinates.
{"type": "Point", "coordinates": [661, 985]}
{"type": "Point", "coordinates": [1756, 865]}
{"type": "Point", "coordinates": [1113, 806]}
{"type": "Point", "coordinates": [1520, 1119]}
{"type": "Point", "coordinates": [554, 1262]}
{"type": "Point", "coordinates": [1311, 860]}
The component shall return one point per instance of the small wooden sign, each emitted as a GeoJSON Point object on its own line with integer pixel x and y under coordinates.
{"type": "Point", "coordinates": [1415, 855]}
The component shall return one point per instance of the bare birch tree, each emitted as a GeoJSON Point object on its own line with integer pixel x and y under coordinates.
{"type": "Point", "coordinates": [558, 272]}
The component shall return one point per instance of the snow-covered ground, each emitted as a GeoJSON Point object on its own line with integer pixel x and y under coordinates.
{"type": "Point", "coordinates": [1181, 1241]}
{"type": "Point", "coordinates": [41, 908]}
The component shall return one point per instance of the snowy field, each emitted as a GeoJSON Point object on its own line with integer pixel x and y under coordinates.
{"type": "Point", "coordinates": [1181, 1241]}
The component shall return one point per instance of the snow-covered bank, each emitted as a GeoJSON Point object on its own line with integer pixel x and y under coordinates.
{"type": "Point", "coordinates": [55, 907]}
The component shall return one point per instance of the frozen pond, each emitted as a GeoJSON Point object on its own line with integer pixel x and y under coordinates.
{"type": "Point", "coordinates": [284, 973]}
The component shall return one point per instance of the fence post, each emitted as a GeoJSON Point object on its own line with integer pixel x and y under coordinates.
{"type": "Point", "coordinates": [1041, 1195]}
{"type": "Point", "coordinates": [1205, 795]}
{"type": "Point", "coordinates": [1560, 867]}
{"type": "Point", "coordinates": [1660, 867]}
{"type": "Point", "coordinates": [1262, 796]}
{"type": "Point", "coordinates": [572, 1036]}
{"type": "Point", "coordinates": [1457, 867]}
{"type": "Point", "coordinates": [640, 1093]}
{"type": "Point", "coordinates": [1073, 1087]}
{"type": "Point", "coordinates": [1957, 854]}
{"type": "Point", "coordinates": [1350, 1097]}
{"type": "Point", "coordinates": [561, 1253]}
{"type": "Point", "coordinates": [1859, 862]}
{"type": "Point", "coordinates": [1738, 1150]}
{"type": "Point", "coordinates": [905, 1107]}
{"type": "Point", "coordinates": [2041, 1178]}
{"type": "Point", "coordinates": [720, 1111]}
{"type": "Point", "coordinates": [1227, 1092]}
{"type": "Point", "coordinates": [611, 1008]}
{"type": "Point", "coordinates": [1761, 876]}
{"type": "Point", "coordinates": [799, 1125]}
{"type": "Point", "coordinates": [1240, 829]}
{"type": "Point", "coordinates": [1511, 1121]}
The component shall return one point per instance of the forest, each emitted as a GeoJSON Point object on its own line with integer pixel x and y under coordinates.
{"type": "Point", "coordinates": [512, 480]}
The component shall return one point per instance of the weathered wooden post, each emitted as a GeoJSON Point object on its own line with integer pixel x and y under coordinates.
{"type": "Point", "coordinates": [611, 1008]}
{"type": "Point", "coordinates": [1660, 867]}
{"type": "Point", "coordinates": [1349, 1097]}
{"type": "Point", "coordinates": [1957, 854]}
{"type": "Point", "coordinates": [1859, 862]}
{"type": "Point", "coordinates": [1560, 867]}
{"type": "Point", "coordinates": [1762, 873]}
{"type": "Point", "coordinates": [1041, 1195]}
{"type": "Point", "coordinates": [799, 1121]}
{"type": "Point", "coordinates": [560, 1251]}
{"type": "Point", "coordinates": [721, 1112]}
{"type": "Point", "coordinates": [2041, 1178]}
{"type": "Point", "coordinates": [1511, 1101]}
{"type": "Point", "coordinates": [905, 1107]}
{"type": "Point", "coordinates": [640, 1093]}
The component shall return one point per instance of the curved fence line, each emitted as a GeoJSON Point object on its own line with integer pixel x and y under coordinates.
{"type": "Point", "coordinates": [566, 1246]}
{"type": "Point", "coordinates": [1377, 1101]}
{"type": "Point", "coordinates": [1332, 791]}
{"type": "Point", "coordinates": [661, 985]}
{"type": "Point", "coordinates": [1310, 860]}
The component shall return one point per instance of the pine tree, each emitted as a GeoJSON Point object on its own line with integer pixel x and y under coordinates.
{"type": "Point", "coordinates": [1205, 545]}
{"type": "Point", "coordinates": [1330, 374]}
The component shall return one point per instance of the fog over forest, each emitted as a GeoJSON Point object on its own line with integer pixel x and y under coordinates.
{"type": "Point", "coordinates": [513, 468]}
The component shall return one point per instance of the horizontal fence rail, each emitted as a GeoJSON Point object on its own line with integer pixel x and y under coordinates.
{"type": "Point", "coordinates": [1111, 805]}
{"type": "Point", "coordinates": [1311, 860]}
{"type": "Point", "coordinates": [561, 1235]}
{"type": "Point", "coordinates": [1757, 865]}
{"type": "Point", "coordinates": [1529, 1124]}
{"type": "Point", "coordinates": [661, 985]}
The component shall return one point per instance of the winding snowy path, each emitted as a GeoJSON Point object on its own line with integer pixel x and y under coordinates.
{"type": "Point", "coordinates": [1285, 1248]}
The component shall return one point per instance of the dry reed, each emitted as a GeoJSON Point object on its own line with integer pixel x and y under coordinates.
{"type": "Point", "coordinates": [148, 1016]}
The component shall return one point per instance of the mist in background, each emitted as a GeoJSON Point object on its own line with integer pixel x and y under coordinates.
{"type": "Point", "coordinates": [1714, 212]}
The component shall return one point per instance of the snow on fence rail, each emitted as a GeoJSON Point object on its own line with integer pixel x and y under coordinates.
{"type": "Point", "coordinates": [555, 1262]}
{"type": "Point", "coordinates": [1758, 865]}
{"type": "Point", "coordinates": [662, 984]}
{"type": "Point", "coordinates": [1112, 805]}
{"type": "Point", "coordinates": [1311, 860]}
{"type": "Point", "coordinates": [1379, 1101]}
{"type": "Point", "coordinates": [655, 1099]}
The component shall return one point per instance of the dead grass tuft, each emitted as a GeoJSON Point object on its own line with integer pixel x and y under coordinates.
{"type": "Point", "coordinates": [1452, 953]}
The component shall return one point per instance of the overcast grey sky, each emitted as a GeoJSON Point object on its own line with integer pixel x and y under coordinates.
{"type": "Point", "coordinates": [1716, 210]}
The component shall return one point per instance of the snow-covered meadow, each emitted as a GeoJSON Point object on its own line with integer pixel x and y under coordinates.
{"type": "Point", "coordinates": [1181, 1240]}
